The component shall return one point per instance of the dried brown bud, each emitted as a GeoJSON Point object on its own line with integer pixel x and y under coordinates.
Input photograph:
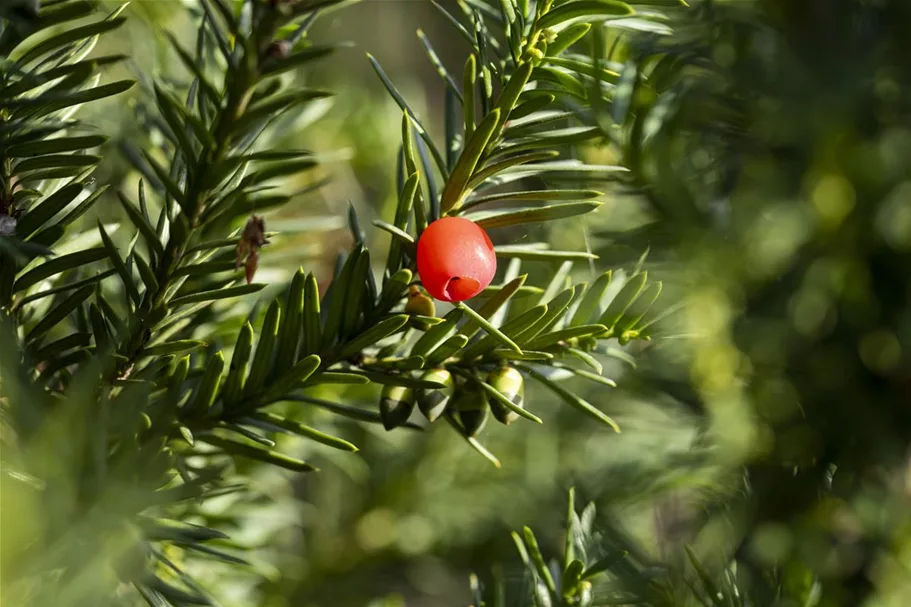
{"type": "Point", "coordinates": [255, 232]}
{"type": "Point", "coordinates": [251, 266]}
{"type": "Point", "coordinates": [279, 49]}
{"type": "Point", "coordinates": [252, 238]}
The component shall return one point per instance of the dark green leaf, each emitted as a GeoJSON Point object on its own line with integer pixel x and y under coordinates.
{"type": "Point", "coordinates": [538, 559]}
{"type": "Point", "coordinates": [169, 184]}
{"type": "Point", "coordinates": [711, 589]}
{"type": "Point", "coordinates": [174, 347]}
{"type": "Point", "coordinates": [216, 554]}
{"type": "Point", "coordinates": [455, 22]}
{"type": "Point", "coordinates": [477, 446]}
{"type": "Point", "coordinates": [79, 211]}
{"type": "Point", "coordinates": [338, 289]}
{"type": "Point", "coordinates": [208, 386]}
{"type": "Point", "coordinates": [273, 107]}
{"type": "Point", "coordinates": [237, 373]}
{"type": "Point", "coordinates": [111, 315]}
{"type": "Point", "coordinates": [502, 399]}
{"type": "Point", "coordinates": [549, 339]}
{"type": "Point", "coordinates": [595, 377]}
{"type": "Point", "coordinates": [348, 411]}
{"type": "Point", "coordinates": [292, 379]}
{"type": "Point", "coordinates": [467, 163]}
{"type": "Point", "coordinates": [437, 334]}
{"type": "Point", "coordinates": [623, 299]}
{"type": "Point", "coordinates": [270, 457]}
{"type": "Point", "coordinates": [145, 228]}
{"type": "Point", "coordinates": [291, 323]}
{"type": "Point", "coordinates": [54, 161]}
{"type": "Point", "coordinates": [585, 357]}
{"type": "Point", "coordinates": [535, 123]}
{"type": "Point", "coordinates": [406, 381]}
{"type": "Point", "coordinates": [509, 96]}
{"type": "Point", "coordinates": [591, 10]}
{"type": "Point", "coordinates": [262, 359]}
{"type": "Point", "coordinates": [445, 350]}
{"type": "Point", "coordinates": [53, 14]}
{"type": "Point", "coordinates": [489, 328]}
{"type": "Point", "coordinates": [516, 163]}
{"type": "Point", "coordinates": [59, 312]}
{"type": "Point", "coordinates": [70, 35]}
{"type": "Point", "coordinates": [374, 334]}
{"type": "Point", "coordinates": [206, 268]}
{"type": "Point", "coordinates": [311, 320]}
{"type": "Point", "coordinates": [469, 82]}
{"type": "Point", "coordinates": [307, 431]}
{"type": "Point", "coordinates": [511, 217]}
{"type": "Point", "coordinates": [585, 68]}
{"type": "Point", "coordinates": [545, 195]}
{"type": "Point", "coordinates": [591, 302]}
{"type": "Point", "coordinates": [216, 294]}
{"type": "Point", "coordinates": [53, 102]}
{"type": "Point", "coordinates": [172, 111]}
{"type": "Point", "coordinates": [58, 347]}
{"type": "Point", "coordinates": [117, 261]}
{"type": "Point", "coordinates": [550, 139]}
{"type": "Point", "coordinates": [637, 309]}
{"type": "Point", "coordinates": [540, 251]}
{"type": "Point", "coordinates": [438, 158]}
{"type": "Point", "coordinates": [294, 60]}
{"type": "Point", "coordinates": [566, 169]}
{"type": "Point", "coordinates": [57, 145]}
{"type": "Point", "coordinates": [41, 213]}
{"type": "Point", "coordinates": [572, 399]}
{"type": "Point", "coordinates": [527, 108]}
{"type": "Point", "coordinates": [493, 304]}
{"type": "Point", "coordinates": [195, 68]}
{"type": "Point", "coordinates": [403, 236]}
{"type": "Point", "coordinates": [512, 327]}
{"type": "Point", "coordinates": [402, 212]}
{"type": "Point", "coordinates": [555, 309]}
{"type": "Point", "coordinates": [357, 291]}
{"type": "Point", "coordinates": [58, 265]}
{"type": "Point", "coordinates": [438, 64]}
{"type": "Point", "coordinates": [567, 37]}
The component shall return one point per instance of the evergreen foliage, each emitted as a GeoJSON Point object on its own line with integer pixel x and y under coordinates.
{"type": "Point", "coordinates": [146, 374]}
{"type": "Point", "coordinates": [124, 401]}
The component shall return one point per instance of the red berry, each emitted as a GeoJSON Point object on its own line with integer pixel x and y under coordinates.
{"type": "Point", "coordinates": [456, 260]}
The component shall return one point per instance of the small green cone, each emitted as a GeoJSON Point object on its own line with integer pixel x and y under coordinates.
{"type": "Point", "coordinates": [510, 384]}
{"type": "Point", "coordinates": [473, 407]}
{"type": "Point", "coordinates": [396, 405]}
{"type": "Point", "coordinates": [432, 403]}
{"type": "Point", "coordinates": [418, 305]}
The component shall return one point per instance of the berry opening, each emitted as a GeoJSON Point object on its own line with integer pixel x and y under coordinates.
{"type": "Point", "coordinates": [460, 288]}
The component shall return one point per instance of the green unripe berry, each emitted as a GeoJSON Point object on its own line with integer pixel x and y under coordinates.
{"type": "Point", "coordinates": [433, 402]}
{"type": "Point", "coordinates": [510, 384]}
{"type": "Point", "coordinates": [473, 408]}
{"type": "Point", "coordinates": [396, 405]}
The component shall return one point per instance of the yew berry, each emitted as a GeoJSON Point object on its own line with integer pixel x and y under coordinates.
{"type": "Point", "coordinates": [456, 260]}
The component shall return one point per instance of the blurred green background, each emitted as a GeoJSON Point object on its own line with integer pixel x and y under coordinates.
{"type": "Point", "coordinates": [743, 375]}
